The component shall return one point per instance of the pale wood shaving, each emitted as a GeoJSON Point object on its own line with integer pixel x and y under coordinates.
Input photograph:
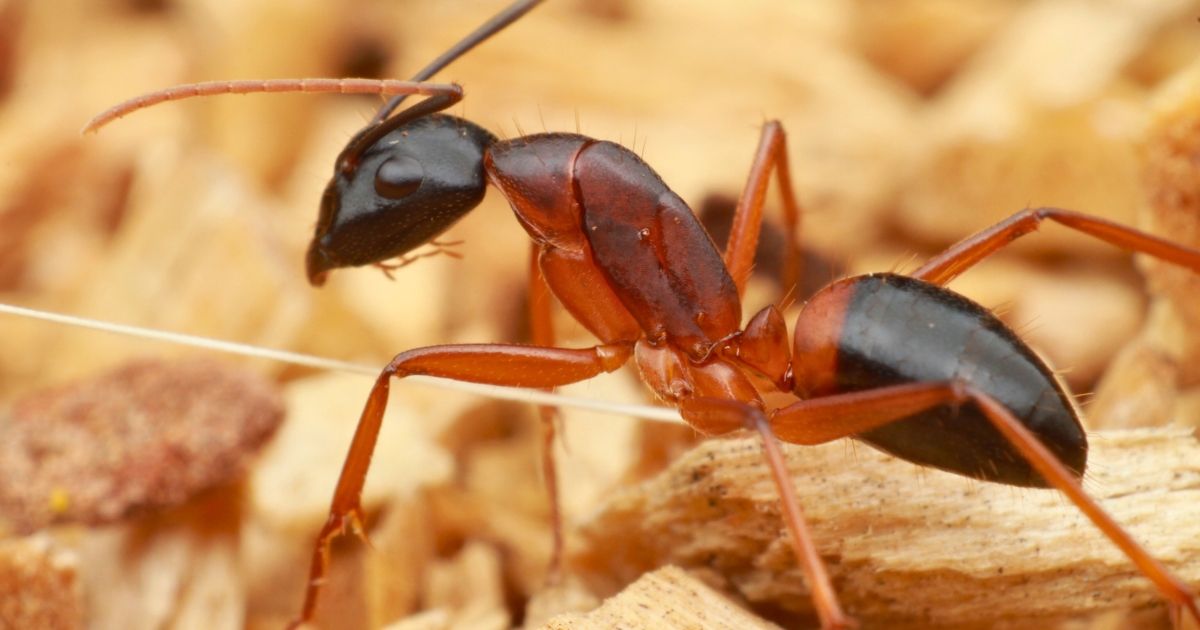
{"type": "Point", "coordinates": [569, 595]}
{"type": "Point", "coordinates": [177, 570]}
{"type": "Point", "coordinates": [403, 549]}
{"type": "Point", "coordinates": [1138, 390]}
{"type": "Point", "coordinates": [905, 544]}
{"type": "Point", "coordinates": [39, 587]}
{"type": "Point", "coordinates": [469, 585]}
{"type": "Point", "coordinates": [437, 619]}
{"type": "Point", "coordinates": [666, 599]}
{"type": "Point", "coordinates": [1024, 125]}
{"type": "Point", "coordinates": [924, 42]}
{"type": "Point", "coordinates": [296, 476]}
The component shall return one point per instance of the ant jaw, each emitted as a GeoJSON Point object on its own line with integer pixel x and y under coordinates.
{"type": "Point", "coordinates": [318, 264]}
{"type": "Point", "coordinates": [318, 280]}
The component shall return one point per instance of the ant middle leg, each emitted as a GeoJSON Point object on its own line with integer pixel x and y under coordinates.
{"type": "Point", "coordinates": [747, 219]}
{"type": "Point", "coordinates": [719, 415]}
{"type": "Point", "coordinates": [541, 323]}
{"type": "Point", "coordinates": [949, 264]}
{"type": "Point", "coordinates": [489, 364]}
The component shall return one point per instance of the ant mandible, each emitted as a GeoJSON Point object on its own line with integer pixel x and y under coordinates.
{"type": "Point", "coordinates": [899, 362]}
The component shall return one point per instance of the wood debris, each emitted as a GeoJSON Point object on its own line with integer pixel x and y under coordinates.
{"type": "Point", "coordinates": [39, 586]}
{"type": "Point", "coordinates": [908, 545]}
{"type": "Point", "coordinates": [1161, 364]}
{"type": "Point", "coordinates": [177, 569]}
{"type": "Point", "coordinates": [149, 435]}
{"type": "Point", "coordinates": [666, 599]}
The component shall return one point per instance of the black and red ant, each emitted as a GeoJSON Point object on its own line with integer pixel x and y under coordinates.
{"type": "Point", "coordinates": [897, 361]}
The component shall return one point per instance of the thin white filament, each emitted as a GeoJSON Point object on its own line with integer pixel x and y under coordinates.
{"type": "Point", "coordinates": [532, 396]}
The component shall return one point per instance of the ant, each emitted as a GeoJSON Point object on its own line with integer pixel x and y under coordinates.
{"type": "Point", "coordinates": [897, 361]}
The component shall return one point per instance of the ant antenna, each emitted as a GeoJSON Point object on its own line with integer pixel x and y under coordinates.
{"type": "Point", "coordinates": [210, 88]}
{"type": "Point", "coordinates": [478, 36]}
{"type": "Point", "coordinates": [398, 90]}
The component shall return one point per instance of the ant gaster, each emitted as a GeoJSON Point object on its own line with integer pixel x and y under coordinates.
{"type": "Point", "coordinates": [899, 362]}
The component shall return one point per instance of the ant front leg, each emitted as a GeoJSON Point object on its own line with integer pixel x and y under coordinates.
{"type": "Point", "coordinates": [541, 323]}
{"type": "Point", "coordinates": [966, 254]}
{"type": "Point", "coordinates": [747, 221]}
{"type": "Point", "coordinates": [489, 364]}
{"type": "Point", "coordinates": [820, 420]}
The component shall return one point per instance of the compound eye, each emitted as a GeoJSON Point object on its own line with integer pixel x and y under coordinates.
{"type": "Point", "coordinates": [398, 177]}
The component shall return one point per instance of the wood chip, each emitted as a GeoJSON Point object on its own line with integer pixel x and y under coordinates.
{"type": "Point", "coordinates": [1139, 386]}
{"type": "Point", "coordinates": [178, 569]}
{"type": "Point", "coordinates": [909, 545]}
{"type": "Point", "coordinates": [296, 476]}
{"type": "Point", "coordinates": [470, 587]}
{"type": "Point", "coordinates": [567, 596]}
{"type": "Point", "coordinates": [1138, 389]}
{"type": "Point", "coordinates": [1028, 123]}
{"type": "Point", "coordinates": [148, 435]}
{"type": "Point", "coordinates": [667, 599]}
{"type": "Point", "coordinates": [403, 549]}
{"type": "Point", "coordinates": [38, 589]}
{"type": "Point", "coordinates": [924, 42]}
{"type": "Point", "coordinates": [1172, 185]}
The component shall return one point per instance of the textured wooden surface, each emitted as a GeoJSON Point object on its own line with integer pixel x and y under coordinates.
{"type": "Point", "coordinates": [666, 599]}
{"type": "Point", "coordinates": [39, 585]}
{"type": "Point", "coordinates": [906, 544]}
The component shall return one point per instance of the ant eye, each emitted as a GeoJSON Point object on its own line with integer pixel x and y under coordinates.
{"type": "Point", "coordinates": [398, 177]}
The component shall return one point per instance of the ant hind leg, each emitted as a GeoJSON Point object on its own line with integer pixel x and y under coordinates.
{"type": "Point", "coordinates": [949, 264]}
{"type": "Point", "coordinates": [820, 420]}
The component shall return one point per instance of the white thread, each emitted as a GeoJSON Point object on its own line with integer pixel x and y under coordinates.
{"type": "Point", "coordinates": [532, 396]}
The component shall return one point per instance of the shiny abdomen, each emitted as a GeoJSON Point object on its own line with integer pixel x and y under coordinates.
{"type": "Point", "coordinates": [885, 329]}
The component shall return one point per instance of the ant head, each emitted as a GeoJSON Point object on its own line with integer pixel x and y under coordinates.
{"type": "Point", "coordinates": [397, 187]}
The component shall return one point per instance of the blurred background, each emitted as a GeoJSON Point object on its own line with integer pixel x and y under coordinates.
{"type": "Point", "coordinates": [912, 124]}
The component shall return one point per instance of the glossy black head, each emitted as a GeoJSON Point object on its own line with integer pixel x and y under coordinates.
{"type": "Point", "coordinates": [393, 193]}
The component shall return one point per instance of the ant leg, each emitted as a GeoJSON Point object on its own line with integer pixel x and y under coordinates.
{"type": "Point", "coordinates": [490, 364]}
{"type": "Point", "coordinates": [825, 598]}
{"type": "Point", "coordinates": [542, 330]}
{"type": "Point", "coordinates": [949, 264]}
{"type": "Point", "coordinates": [820, 420]}
{"type": "Point", "coordinates": [747, 221]}
{"type": "Point", "coordinates": [438, 248]}
{"type": "Point", "coordinates": [1057, 474]}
